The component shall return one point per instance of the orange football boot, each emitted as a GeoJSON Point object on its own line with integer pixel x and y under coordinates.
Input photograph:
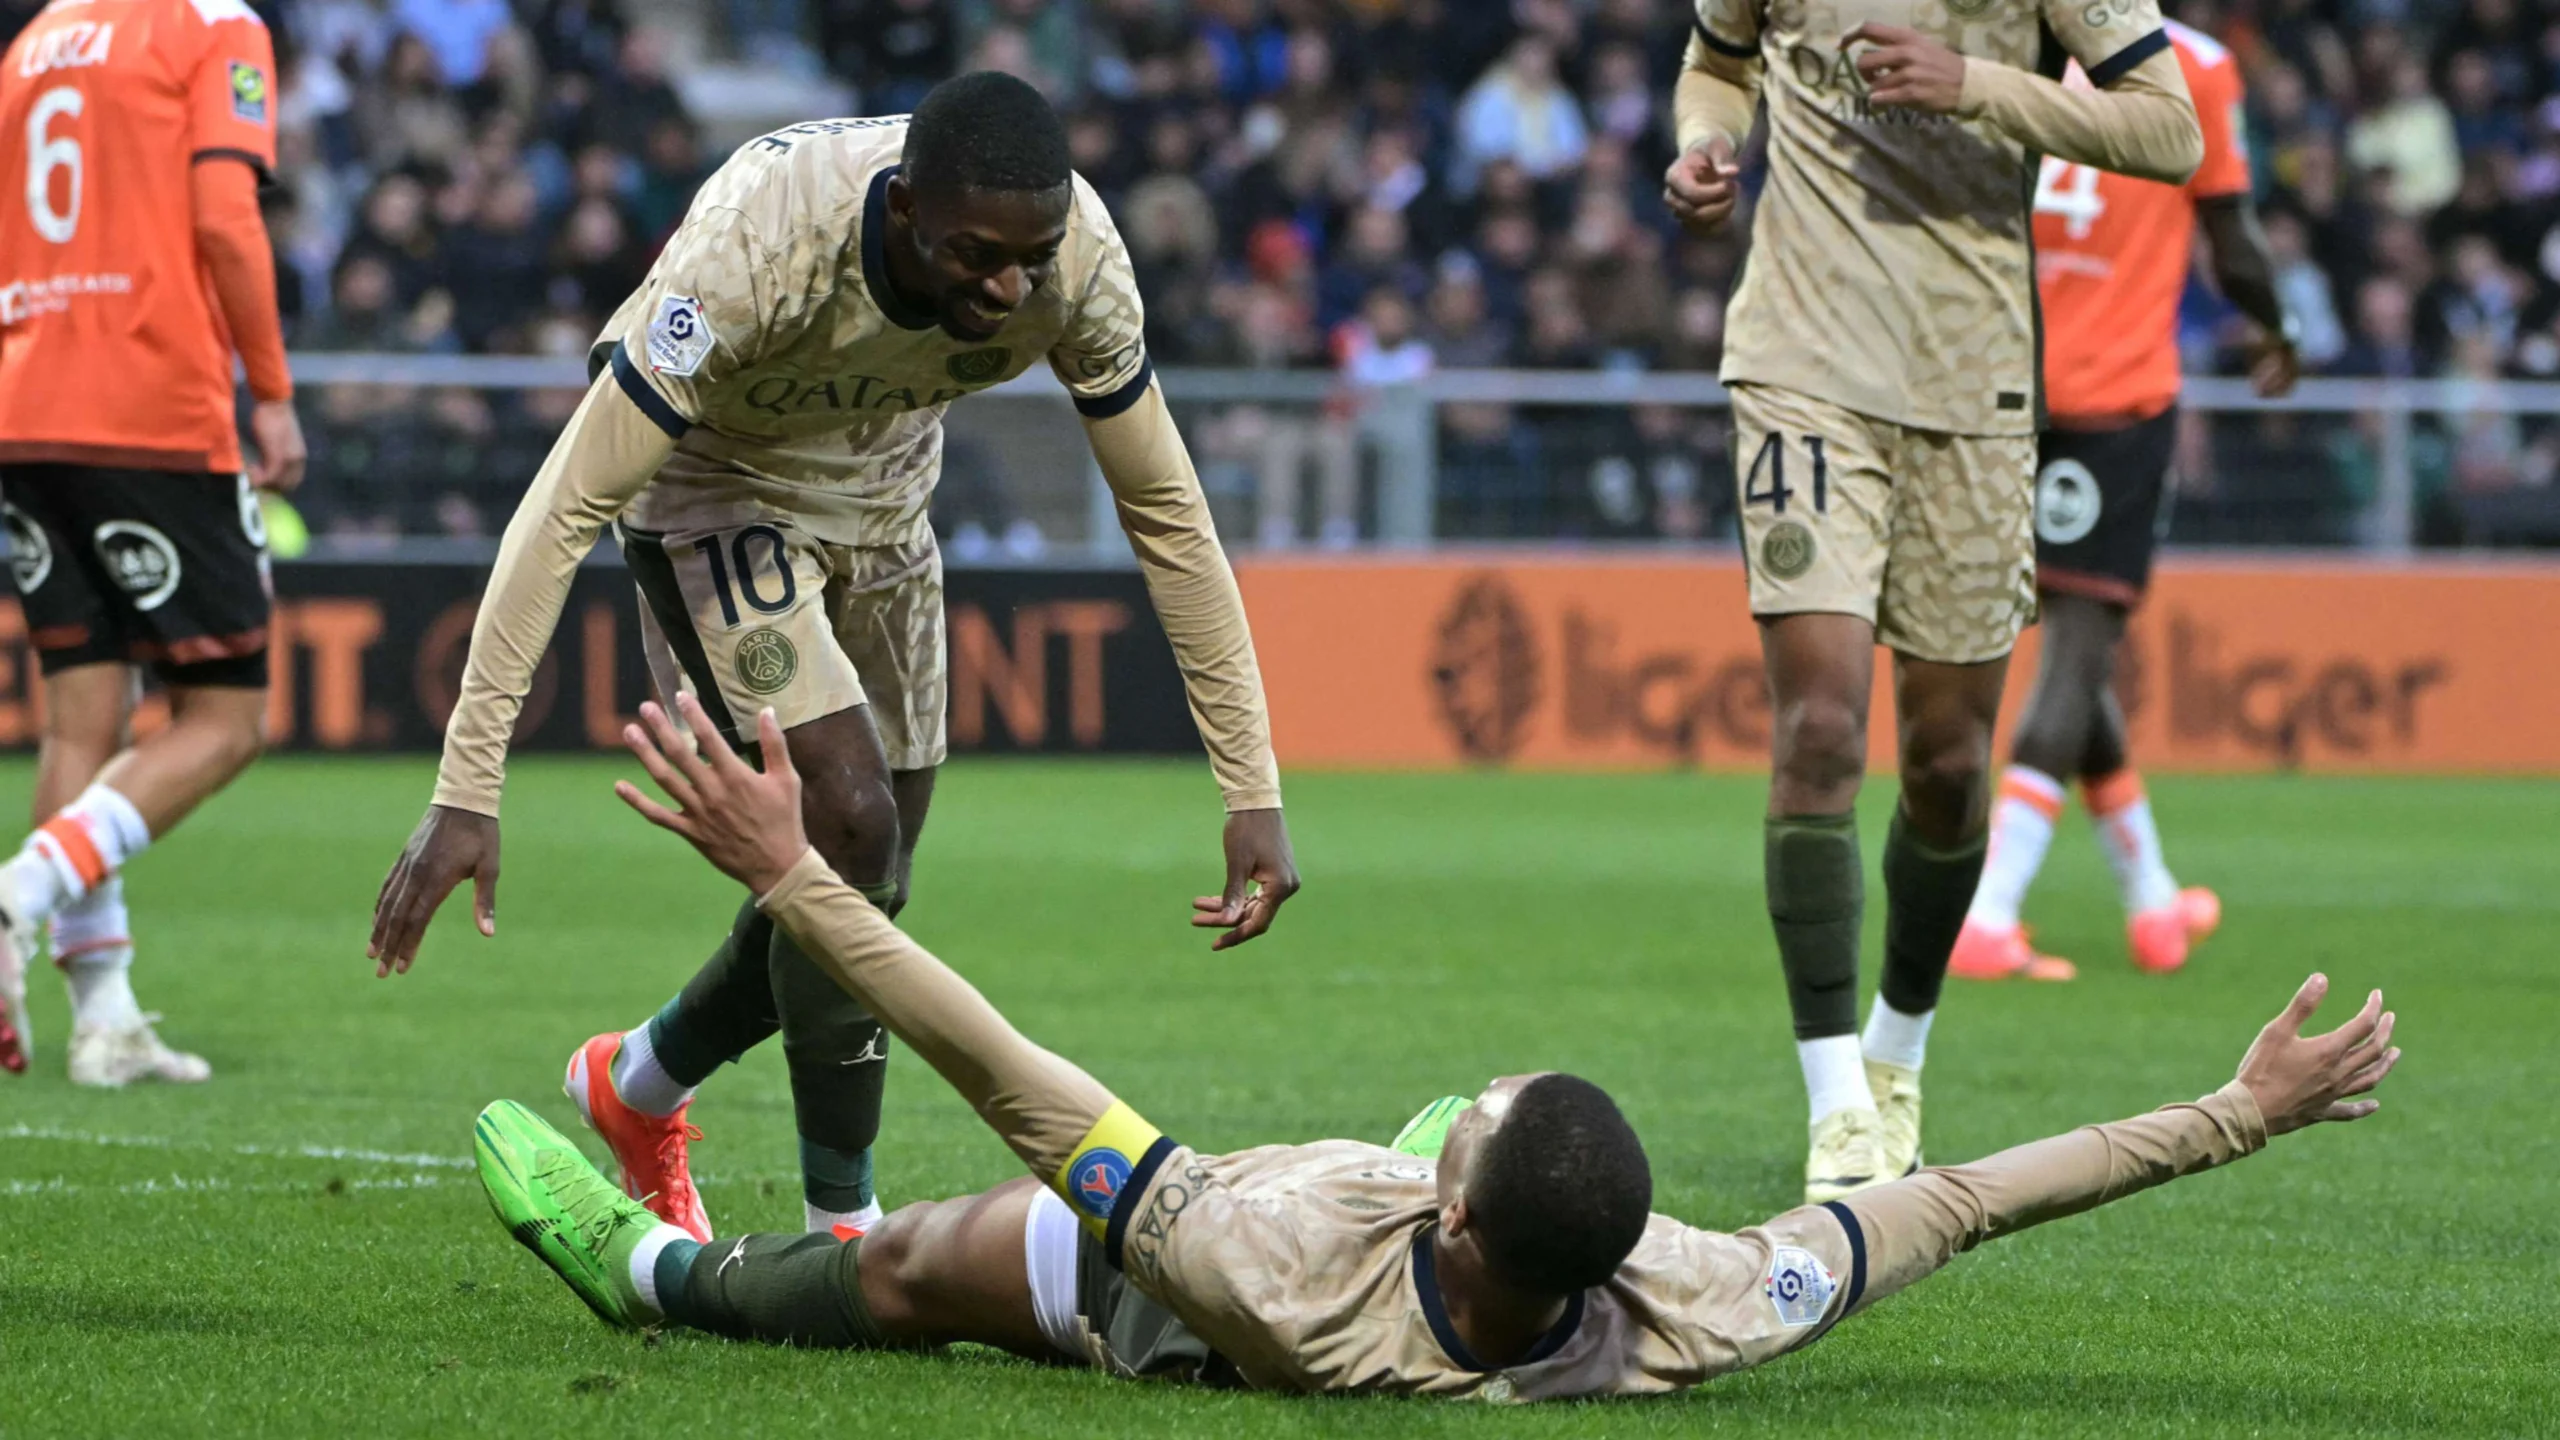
{"type": "Point", "coordinates": [649, 1148]}
{"type": "Point", "coordinates": [1985, 952]}
{"type": "Point", "coordinates": [2161, 938]}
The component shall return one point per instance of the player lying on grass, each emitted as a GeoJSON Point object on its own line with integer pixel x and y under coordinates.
{"type": "Point", "coordinates": [1523, 1263]}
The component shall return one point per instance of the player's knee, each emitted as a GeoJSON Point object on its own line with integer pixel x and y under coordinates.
{"type": "Point", "coordinates": [1945, 768]}
{"type": "Point", "coordinates": [855, 827]}
{"type": "Point", "coordinates": [1821, 744]}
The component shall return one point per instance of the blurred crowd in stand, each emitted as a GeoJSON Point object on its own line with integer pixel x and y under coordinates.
{"type": "Point", "coordinates": [1378, 188]}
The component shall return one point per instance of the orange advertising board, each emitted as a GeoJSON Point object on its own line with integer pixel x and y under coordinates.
{"type": "Point", "coordinates": [1562, 662]}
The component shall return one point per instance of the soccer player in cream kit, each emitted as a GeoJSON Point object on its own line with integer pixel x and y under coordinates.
{"type": "Point", "coordinates": [1882, 353]}
{"type": "Point", "coordinates": [764, 432]}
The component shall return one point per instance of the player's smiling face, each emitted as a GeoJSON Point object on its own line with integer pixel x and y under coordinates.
{"type": "Point", "coordinates": [980, 253]}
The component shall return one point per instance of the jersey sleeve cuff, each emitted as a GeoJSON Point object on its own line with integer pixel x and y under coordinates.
{"type": "Point", "coordinates": [2245, 1117]}
{"type": "Point", "coordinates": [809, 869]}
{"type": "Point", "coordinates": [1103, 407]}
{"type": "Point", "coordinates": [1720, 45]}
{"type": "Point", "coordinates": [2115, 67]}
{"type": "Point", "coordinates": [1259, 798]}
{"type": "Point", "coordinates": [257, 163]}
{"type": "Point", "coordinates": [462, 797]}
{"type": "Point", "coordinates": [645, 395]}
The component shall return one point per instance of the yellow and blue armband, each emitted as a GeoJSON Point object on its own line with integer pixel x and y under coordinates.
{"type": "Point", "coordinates": [1117, 1158]}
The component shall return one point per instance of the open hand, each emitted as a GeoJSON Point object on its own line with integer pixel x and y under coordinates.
{"type": "Point", "coordinates": [1702, 185]}
{"type": "Point", "coordinates": [2299, 1080]}
{"type": "Point", "coordinates": [743, 821]}
{"type": "Point", "coordinates": [448, 847]}
{"type": "Point", "coordinates": [1907, 68]}
{"type": "Point", "coordinates": [1261, 874]}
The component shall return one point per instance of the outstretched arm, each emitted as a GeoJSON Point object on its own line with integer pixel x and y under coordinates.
{"type": "Point", "coordinates": [2286, 1082]}
{"type": "Point", "coordinates": [1054, 1116]}
{"type": "Point", "coordinates": [1157, 494]}
{"type": "Point", "coordinates": [606, 456]}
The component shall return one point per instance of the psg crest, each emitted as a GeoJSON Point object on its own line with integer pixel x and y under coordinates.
{"type": "Point", "coordinates": [977, 367]}
{"type": "Point", "coordinates": [1096, 1177]}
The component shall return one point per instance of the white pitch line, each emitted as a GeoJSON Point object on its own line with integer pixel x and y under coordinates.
{"type": "Point", "coordinates": [412, 1159]}
{"type": "Point", "coordinates": [181, 1184]}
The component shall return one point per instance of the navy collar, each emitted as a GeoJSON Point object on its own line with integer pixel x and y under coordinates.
{"type": "Point", "coordinates": [1426, 1285]}
{"type": "Point", "coordinates": [875, 260]}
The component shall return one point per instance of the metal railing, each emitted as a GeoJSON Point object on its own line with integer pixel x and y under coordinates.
{"type": "Point", "coordinates": [2388, 439]}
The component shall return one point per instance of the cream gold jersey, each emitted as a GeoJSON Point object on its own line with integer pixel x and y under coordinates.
{"type": "Point", "coordinates": [767, 338]}
{"type": "Point", "coordinates": [1891, 269]}
{"type": "Point", "coordinates": [1309, 1267]}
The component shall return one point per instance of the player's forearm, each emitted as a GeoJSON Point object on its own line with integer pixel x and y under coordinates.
{"type": "Point", "coordinates": [2241, 264]}
{"type": "Point", "coordinates": [1914, 1226]}
{"type": "Point", "coordinates": [231, 239]}
{"type": "Point", "coordinates": [605, 457]}
{"type": "Point", "coordinates": [1041, 1105]}
{"type": "Point", "coordinates": [2143, 125]}
{"type": "Point", "coordinates": [1717, 94]}
{"type": "Point", "coordinates": [1167, 520]}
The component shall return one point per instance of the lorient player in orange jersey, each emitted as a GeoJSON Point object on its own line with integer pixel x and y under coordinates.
{"type": "Point", "coordinates": [133, 267]}
{"type": "Point", "coordinates": [2111, 259]}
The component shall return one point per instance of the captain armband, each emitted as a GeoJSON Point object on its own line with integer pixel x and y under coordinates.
{"type": "Point", "coordinates": [1114, 1161]}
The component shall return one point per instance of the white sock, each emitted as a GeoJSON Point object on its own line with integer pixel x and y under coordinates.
{"type": "Point", "coordinates": [1896, 1038]}
{"type": "Point", "coordinates": [93, 947]}
{"type": "Point", "coordinates": [2132, 841]}
{"type": "Point", "coordinates": [644, 1266]}
{"type": "Point", "coordinates": [857, 1220]}
{"type": "Point", "coordinates": [84, 843]}
{"type": "Point", "coordinates": [642, 1082]}
{"type": "Point", "coordinates": [1835, 1075]}
{"type": "Point", "coordinates": [2021, 831]}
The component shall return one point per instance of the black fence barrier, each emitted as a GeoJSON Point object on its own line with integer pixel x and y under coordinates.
{"type": "Point", "coordinates": [370, 656]}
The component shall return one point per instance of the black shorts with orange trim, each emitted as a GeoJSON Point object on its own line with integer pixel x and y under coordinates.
{"type": "Point", "coordinates": [162, 568]}
{"type": "Point", "coordinates": [2102, 506]}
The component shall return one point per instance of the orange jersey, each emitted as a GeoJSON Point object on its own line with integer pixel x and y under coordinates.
{"type": "Point", "coordinates": [113, 350]}
{"type": "Point", "coordinates": [2112, 251]}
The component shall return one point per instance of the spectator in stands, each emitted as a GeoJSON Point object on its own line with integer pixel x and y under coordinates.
{"type": "Point", "coordinates": [2411, 136]}
{"type": "Point", "coordinates": [894, 49]}
{"type": "Point", "coordinates": [1521, 112]}
{"type": "Point", "coordinates": [457, 33]}
{"type": "Point", "coordinates": [406, 115]}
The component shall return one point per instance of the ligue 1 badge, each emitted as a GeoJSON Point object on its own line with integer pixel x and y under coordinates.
{"type": "Point", "coordinates": [1799, 1285]}
{"type": "Point", "coordinates": [679, 337]}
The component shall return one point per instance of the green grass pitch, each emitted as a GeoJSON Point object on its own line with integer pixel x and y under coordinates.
{"type": "Point", "coordinates": [299, 1249]}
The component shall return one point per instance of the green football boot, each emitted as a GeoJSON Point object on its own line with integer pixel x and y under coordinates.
{"type": "Point", "coordinates": [1425, 1133]}
{"type": "Point", "coordinates": [561, 1208]}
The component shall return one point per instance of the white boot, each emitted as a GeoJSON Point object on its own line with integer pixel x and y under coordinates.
{"type": "Point", "coordinates": [111, 1058]}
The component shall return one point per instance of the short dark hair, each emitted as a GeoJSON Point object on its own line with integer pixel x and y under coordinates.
{"type": "Point", "coordinates": [1562, 1190]}
{"type": "Point", "coordinates": [986, 130]}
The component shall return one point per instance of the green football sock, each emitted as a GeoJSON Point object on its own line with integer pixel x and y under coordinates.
{"type": "Point", "coordinates": [1817, 898]}
{"type": "Point", "coordinates": [1926, 894]}
{"type": "Point", "coordinates": [838, 1181]}
{"type": "Point", "coordinates": [782, 1289]}
{"type": "Point", "coordinates": [725, 1010]}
